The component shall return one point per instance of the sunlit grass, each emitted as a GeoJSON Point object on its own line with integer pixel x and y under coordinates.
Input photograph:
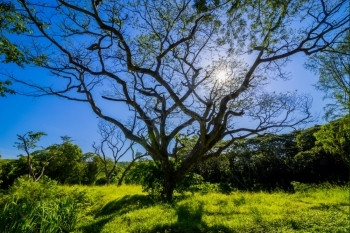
{"type": "Point", "coordinates": [127, 209]}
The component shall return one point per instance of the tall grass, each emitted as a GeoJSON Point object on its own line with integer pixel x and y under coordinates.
{"type": "Point", "coordinates": [38, 207]}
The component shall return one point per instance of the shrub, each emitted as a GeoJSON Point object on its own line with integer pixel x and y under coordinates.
{"type": "Point", "coordinates": [148, 175]}
{"type": "Point", "coordinates": [190, 182]}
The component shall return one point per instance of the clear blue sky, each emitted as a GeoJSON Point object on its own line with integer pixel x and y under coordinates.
{"type": "Point", "coordinates": [58, 117]}
{"type": "Point", "coordinates": [52, 115]}
{"type": "Point", "coordinates": [55, 116]}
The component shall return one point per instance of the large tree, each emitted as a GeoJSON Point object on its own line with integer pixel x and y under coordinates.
{"type": "Point", "coordinates": [184, 67]}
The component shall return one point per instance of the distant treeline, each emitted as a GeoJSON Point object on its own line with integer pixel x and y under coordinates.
{"type": "Point", "coordinates": [314, 155]}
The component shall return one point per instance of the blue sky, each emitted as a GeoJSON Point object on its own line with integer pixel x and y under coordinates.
{"type": "Point", "coordinates": [55, 116]}
{"type": "Point", "coordinates": [52, 115]}
{"type": "Point", "coordinates": [58, 117]}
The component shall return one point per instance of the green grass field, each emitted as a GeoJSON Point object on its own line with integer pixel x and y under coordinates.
{"type": "Point", "coordinates": [47, 207]}
{"type": "Point", "coordinates": [127, 209]}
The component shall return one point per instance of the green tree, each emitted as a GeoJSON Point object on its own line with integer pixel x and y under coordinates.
{"type": "Point", "coordinates": [10, 170]}
{"type": "Point", "coordinates": [305, 139]}
{"type": "Point", "coordinates": [27, 142]}
{"type": "Point", "coordinates": [333, 68]}
{"type": "Point", "coordinates": [11, 22]}
{"type": "Point", "coordinates": [174, 68]}
{"type": "Point", "coordinates": [92, 167]}
{"type": "Point", "coordinates": [263, 161]}
{"type": "Point", "coordinates": [334, 138]}
{"type": "Point", "coordinates": [323, 153]}
{"type": "Point", "coordinates": [67, 164]}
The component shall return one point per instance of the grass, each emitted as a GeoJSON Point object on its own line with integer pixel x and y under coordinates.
{"type": "Point", "coordinates": [127, 209]}
{"type": "Point", "coordinates": [48, 207]}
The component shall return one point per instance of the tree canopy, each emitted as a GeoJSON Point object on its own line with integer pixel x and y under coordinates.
{"type": "Point", "coordinates": [333, 68]}
{"type": "Point", "coordinates": [195, 68]}
{"type": "Point", "coordinates": [11, 22]}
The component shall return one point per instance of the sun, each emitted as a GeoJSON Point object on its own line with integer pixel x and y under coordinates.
{"type": "Point", "coordinates": [221, 75]}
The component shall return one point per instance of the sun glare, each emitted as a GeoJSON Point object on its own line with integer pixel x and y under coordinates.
{"type": "Point", "coordinates": [221, 76]}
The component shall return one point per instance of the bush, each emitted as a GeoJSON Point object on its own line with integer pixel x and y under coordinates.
{"type": "Point", "coordinates": [147, 174]}
{"type": "Point", "coordinates": [190, 182]}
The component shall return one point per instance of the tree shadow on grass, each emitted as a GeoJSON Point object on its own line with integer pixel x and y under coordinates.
{"type": "Point", "coordinates": [96, 226]}
{"type": "Point", "coordinates": [189, 220]}
{"type": "Point", "coordinates": [336, 206]}
{"type": "Point", "coordinates": [117, 208]}
{"type": "Point", "coordinates": [125, 204]}
{"type": "Point", "coordinates": [189, 217]}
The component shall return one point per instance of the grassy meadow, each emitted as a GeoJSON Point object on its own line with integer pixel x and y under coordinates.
{"type": "Point", "coordinates": [48, 207]}
{"type": "Point", "coordinates": [127, 209]}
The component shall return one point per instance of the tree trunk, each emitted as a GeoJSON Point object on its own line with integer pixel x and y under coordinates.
{"type": "Point", "coordinates": [127, 169]}
{"type": "Point", "coordinates": [172, 177]}
{"type": "Point", "coordinates": [28, 164]}
{"type": "Point", "coordinates": [108, 179]}
{"type": "Point", "coordinates": [169, 184]}
{"type": "Point", "coordinates": [169, 188]}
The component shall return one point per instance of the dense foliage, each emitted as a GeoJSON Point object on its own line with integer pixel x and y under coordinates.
{"type": "Point", "coordinates": [333, 68]}
{"type": "Point", "coordinates": [11, 23]}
